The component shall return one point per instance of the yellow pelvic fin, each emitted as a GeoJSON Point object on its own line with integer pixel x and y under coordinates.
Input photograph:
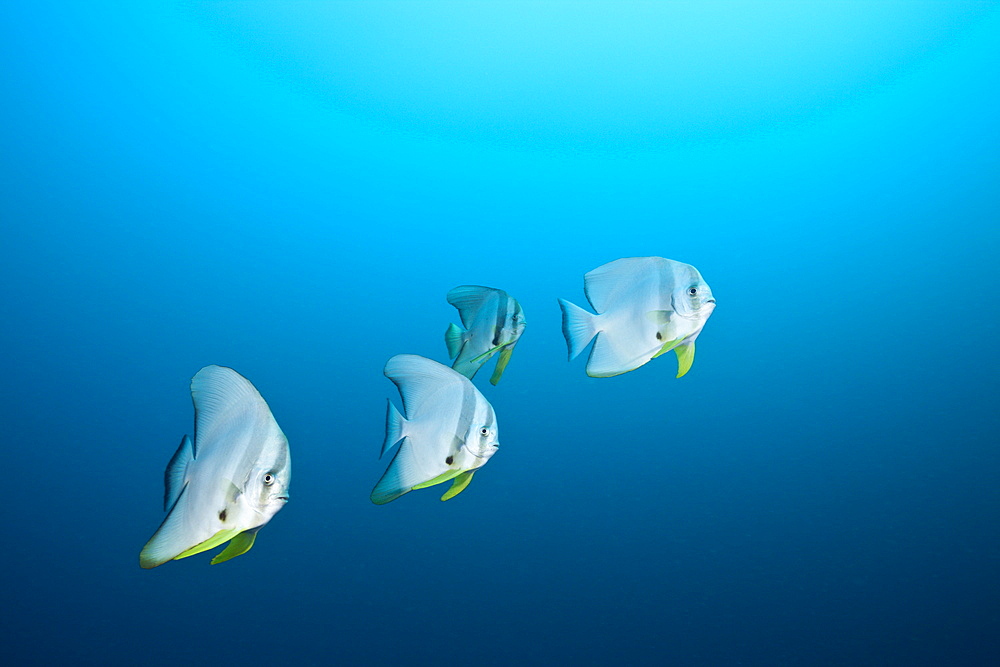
{"type": "Point", "coordinates": [238, 546]}
{"type": "Point", "coordinates": [458, 485]}
{"type": "Point", "coordinates": [443, 477]}
{"type": "Point", "coordinates": [685, 357]}
{"type": "Point", "coordinates": [210, 543]}
{"type": "Point", "coordinates": [667, 347]}
{"type": "Point", "coordinates": [501, 364]}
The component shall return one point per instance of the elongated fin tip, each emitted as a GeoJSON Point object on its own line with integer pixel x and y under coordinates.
{"type": "Point", "coordinates": [578, 327]}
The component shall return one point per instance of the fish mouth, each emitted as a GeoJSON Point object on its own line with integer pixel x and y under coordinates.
{"type": "Point", "coordinates": [285, 498]}
{"type": "Point", "coordinates": [710, 301]}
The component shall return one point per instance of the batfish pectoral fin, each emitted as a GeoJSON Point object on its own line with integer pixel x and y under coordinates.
{"type": "Point", "coordinates": [238, 546]}
{"type": "Point", "coordinates": [210, 543]}
{"type": "Point", "coordinates": [501, 364]}
{"type": "Point", "coordinates": [461, 481]}
{"type": "Point", "coordinates": [671, 345]}
{"type": "Point", "coordinates": [685, 357]}
{"type": "Point", "coordinates": [659, 317]}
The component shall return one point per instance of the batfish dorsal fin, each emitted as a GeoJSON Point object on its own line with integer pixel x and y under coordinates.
{"type": "Point", "coordinates": [174, 476]}
{"type": "Point", "coordinates": [469, 299]}
{"type": "Point", "coordinates": [419, 379]}
{"type": "Point", "coordinates": [238, 546]}
{"type": "Point", "coordinates": [226, 404]}
{"type": "Point", "coordinates": [616, 281]}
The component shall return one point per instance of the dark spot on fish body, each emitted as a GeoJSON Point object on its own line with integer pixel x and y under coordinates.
{"type": "Point", "coordinates": [659, 336]}
{"type": "Point", "coordinates": [222, 515]}
{"type": "Point", "coordinates": [450, 460]}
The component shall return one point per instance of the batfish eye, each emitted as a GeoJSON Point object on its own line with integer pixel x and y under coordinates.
{"type": "Point", "coordinates": [484, 431]}
{"type": "Point", "coordinates": [693, 291]}
{"type": "Point", "coordinates": [269, 479]}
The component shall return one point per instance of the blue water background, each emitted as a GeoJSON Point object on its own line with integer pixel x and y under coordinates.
{"type": "Point", "coordinates": [291, 189]}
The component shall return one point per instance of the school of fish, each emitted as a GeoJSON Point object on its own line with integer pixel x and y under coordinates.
{"type": "Point", "coordinates": [224, 484]}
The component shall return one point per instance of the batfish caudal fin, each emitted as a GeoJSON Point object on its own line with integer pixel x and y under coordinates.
{"type": "Point", "coordinates": [453, 338]}
{"type": "Point", "coordinates": [238, 546]}
{"type": "Point", "coordinates": [579, 327]}
{"type": "Point", "coordinates": [400, 477]}
{"type": "Point", "coordinates": [685, 357]}
{"type": "Point", "coordinates": [173, 478]}
{"type": "Point", "coordinates": [395, 424]}
{"type": "Point", "coordinates": [501, 364]}
{"type": "Point", "coordinates": [461, 481]}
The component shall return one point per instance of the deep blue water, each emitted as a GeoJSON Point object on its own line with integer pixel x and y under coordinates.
{"type": "Point", "coordinates": [291, 189]}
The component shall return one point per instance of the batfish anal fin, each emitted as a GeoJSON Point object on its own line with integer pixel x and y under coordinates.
{"type": "Point", "coordinates": [171, 538]}
{"type": "Point", "coordinates": [180, 530]}
{"type": "Point", "coordinates": [461, 481]}
{"type": "Point", "coordinates": [238, 546]}
{"type": "Point", "coordinates": [399, 478]}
